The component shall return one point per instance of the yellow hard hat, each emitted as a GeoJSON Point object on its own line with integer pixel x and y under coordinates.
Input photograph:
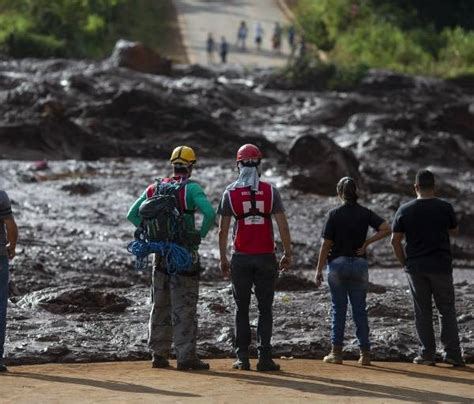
{"type": "Point", "coordinates": [183, 155]}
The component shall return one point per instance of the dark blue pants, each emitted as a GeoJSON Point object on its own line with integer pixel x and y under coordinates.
{"type": "Point", "coordinates": [424, 287]}
{"type": "Point", "coordinates": [348, 278]}
{"type": "Point", "coordinates": [3, 301]}
{"type": "Point", "coordinates": [247, 271]}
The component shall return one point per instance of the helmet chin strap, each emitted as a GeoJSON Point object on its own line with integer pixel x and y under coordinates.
{"type": "Point", "coordinates": [182, 169]}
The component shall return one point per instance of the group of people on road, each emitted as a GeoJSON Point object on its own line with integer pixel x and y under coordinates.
{"type": "Point", "coordinates": [211, 47]}
{"type": "Point", "coordinates": [425, 224]}
{"type": "Point", "coordinates": [223, 47]}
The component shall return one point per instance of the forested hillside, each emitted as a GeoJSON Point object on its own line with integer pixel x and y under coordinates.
{"type": "Point", "coordinates": [415, 36]}
{"type": "Point", "coordinates": [84, 28]}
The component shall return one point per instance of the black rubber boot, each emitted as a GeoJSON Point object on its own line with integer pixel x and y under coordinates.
{"type": "Point", "coordinates": [455, 362]}
{"type": "Point", "coordinates": [267, 365]}
{"type": "Point", "coordinates": [160, 362]}
{"type": "Point", "coordinates": [241, 364]}
{"type": "Point", "coordinates": [193, 364]}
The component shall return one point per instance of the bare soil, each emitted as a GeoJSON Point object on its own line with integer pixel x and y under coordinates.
{"type": "Point", "coordinates": [300, 381]}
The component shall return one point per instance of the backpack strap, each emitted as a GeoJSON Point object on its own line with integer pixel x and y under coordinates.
{"type": "Point", "coordinates": [253, 209]}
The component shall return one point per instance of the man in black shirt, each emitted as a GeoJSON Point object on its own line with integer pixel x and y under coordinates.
{"type": "Point", "coordinates": [427, 223]}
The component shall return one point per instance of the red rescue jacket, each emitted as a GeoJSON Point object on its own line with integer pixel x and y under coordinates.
{"type": "Point", "coordinates": [252, 211]}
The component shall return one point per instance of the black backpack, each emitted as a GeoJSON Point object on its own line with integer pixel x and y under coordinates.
{"type": "Point", "coordinates": [162, 215]}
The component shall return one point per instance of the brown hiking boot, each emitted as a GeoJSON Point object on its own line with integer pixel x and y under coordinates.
{"type": "Point", "coordinates": [335, 356]}
{"type": "Point", "coordinates": [364, 359]}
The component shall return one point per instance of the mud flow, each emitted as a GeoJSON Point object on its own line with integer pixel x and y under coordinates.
{"type": "Point", "coordinates": [79, 141]}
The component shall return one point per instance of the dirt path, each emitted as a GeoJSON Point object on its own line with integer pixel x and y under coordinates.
{"type": "Point", "coordinates": [222, 18]}
{"type": "Point", "coordinates": [301, 381]}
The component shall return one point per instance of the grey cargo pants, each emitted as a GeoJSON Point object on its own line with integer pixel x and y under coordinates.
{"type": "Point", "coordinates": [173, 315]}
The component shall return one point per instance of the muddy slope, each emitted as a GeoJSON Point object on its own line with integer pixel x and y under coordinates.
{"type": "Point", "coordinates": [75, 294]}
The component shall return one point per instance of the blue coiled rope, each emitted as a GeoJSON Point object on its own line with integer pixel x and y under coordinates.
{"type": "Point", "coordinates": [178, 259]}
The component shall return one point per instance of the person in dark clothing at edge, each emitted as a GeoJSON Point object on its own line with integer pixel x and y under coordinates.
{"type": "Point", "coordinates": [427, 224]}
{"type": "Point", "coordinates": [344, 249]}
{"type": "Point", "coordinates": [8, 239]}
{"type": "Point", "coordinates": [173, 315]}
{"type": "Point", "coordinates": [252, 203]}
{"type": "Point", "coordinates": [223, 50]}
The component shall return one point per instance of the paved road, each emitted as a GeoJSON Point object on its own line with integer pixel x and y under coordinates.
{"type": "Point", "coordinates": [222, 18]}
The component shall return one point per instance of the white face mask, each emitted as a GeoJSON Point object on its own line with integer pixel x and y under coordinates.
{"type": "Point", "coordinates": [248, 177]}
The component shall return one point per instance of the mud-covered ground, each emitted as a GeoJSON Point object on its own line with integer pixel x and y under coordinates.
{"type": "Point", "coordinates": [75, 295]}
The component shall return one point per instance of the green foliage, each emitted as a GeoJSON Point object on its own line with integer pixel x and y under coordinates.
{"type": "Point", "coordinates": [348, 76]}
{"type": "Point", "coordinates": [439, 14]}
{"type": "Point", "coordinates": [413, 36]}
{"type": "Point", "coordinates": [55, 27]}
{"type": "Point", "coordinates": [381, 45]}
{"type": "Point", "coordinates": [84, 28]}
{"type": "Point", "coordinates": [457, 57]}
{"type": "Point", "coordinates": [41, 46]}
{"type": "Point", "coordinates": [310, 73]}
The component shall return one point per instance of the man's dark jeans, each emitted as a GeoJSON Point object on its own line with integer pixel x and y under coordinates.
{"type": "Point", "coordinates": [423, 287]}
{"type": "Point", "coordinates": [3, 301]}
{"type": "Point", "coordinates": [348, 278]}
{"type": "Point", "coordinates": [261, 271]}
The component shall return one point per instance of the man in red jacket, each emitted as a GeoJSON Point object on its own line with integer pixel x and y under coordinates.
{"type": "Point", "coordinates": [252, 203]}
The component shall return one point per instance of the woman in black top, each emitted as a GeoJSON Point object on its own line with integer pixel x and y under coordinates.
{"type": "Point", "coordinates": [344, 250]}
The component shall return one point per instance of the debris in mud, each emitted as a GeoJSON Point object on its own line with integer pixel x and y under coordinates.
{"type": "Point", "coordinates": [378, 289]}
{"type": "Point", "coordinates": [293, 282]}
{"type": "Point", "coordinates": [80, 188]}
{"type": "Point", "coordinates": [73, 277]}
{"type": "Point", "coordinates": [79, 300]}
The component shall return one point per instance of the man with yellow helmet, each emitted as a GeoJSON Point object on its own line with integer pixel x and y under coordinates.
{"type": "Point", "coordinates": [175, 296]}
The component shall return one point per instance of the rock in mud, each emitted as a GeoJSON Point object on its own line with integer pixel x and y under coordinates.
{"type": "Point", "coordinates": [137, 56]}
{"type": "Point", "coordinates": [80, 188]}
{"type": "Point", "coordinates": [321, 164]}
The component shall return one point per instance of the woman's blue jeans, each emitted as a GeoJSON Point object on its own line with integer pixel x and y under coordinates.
{"type": "Point", "coordinates": [348, 279]}
{"type": "Point", "coordinates": [3, 301]}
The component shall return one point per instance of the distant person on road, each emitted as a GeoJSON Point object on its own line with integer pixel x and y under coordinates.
{"type": "Point", "coordinates": [210, 48]}
{"type": "Point", "coordinates": [173, 316]}
{"type": "Point", "coordinates": [427, 223]}
{"type": "Point", "coordinates": [276, 38]}
{"type": "Point", "coordinates": [242, 34]}
{"type": "Point", "coordinates": [344, 250]}
{"type": "Point", "coordinates": [224, 50]}
{"type": "Point", "coordinates": [259, 32]}
{"type": "Point", "coordinates": [252, 203]}
{"type": "Point", "coordinates": [8, 239]}
{"type": "Point", "coordinates": [292, 39]}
